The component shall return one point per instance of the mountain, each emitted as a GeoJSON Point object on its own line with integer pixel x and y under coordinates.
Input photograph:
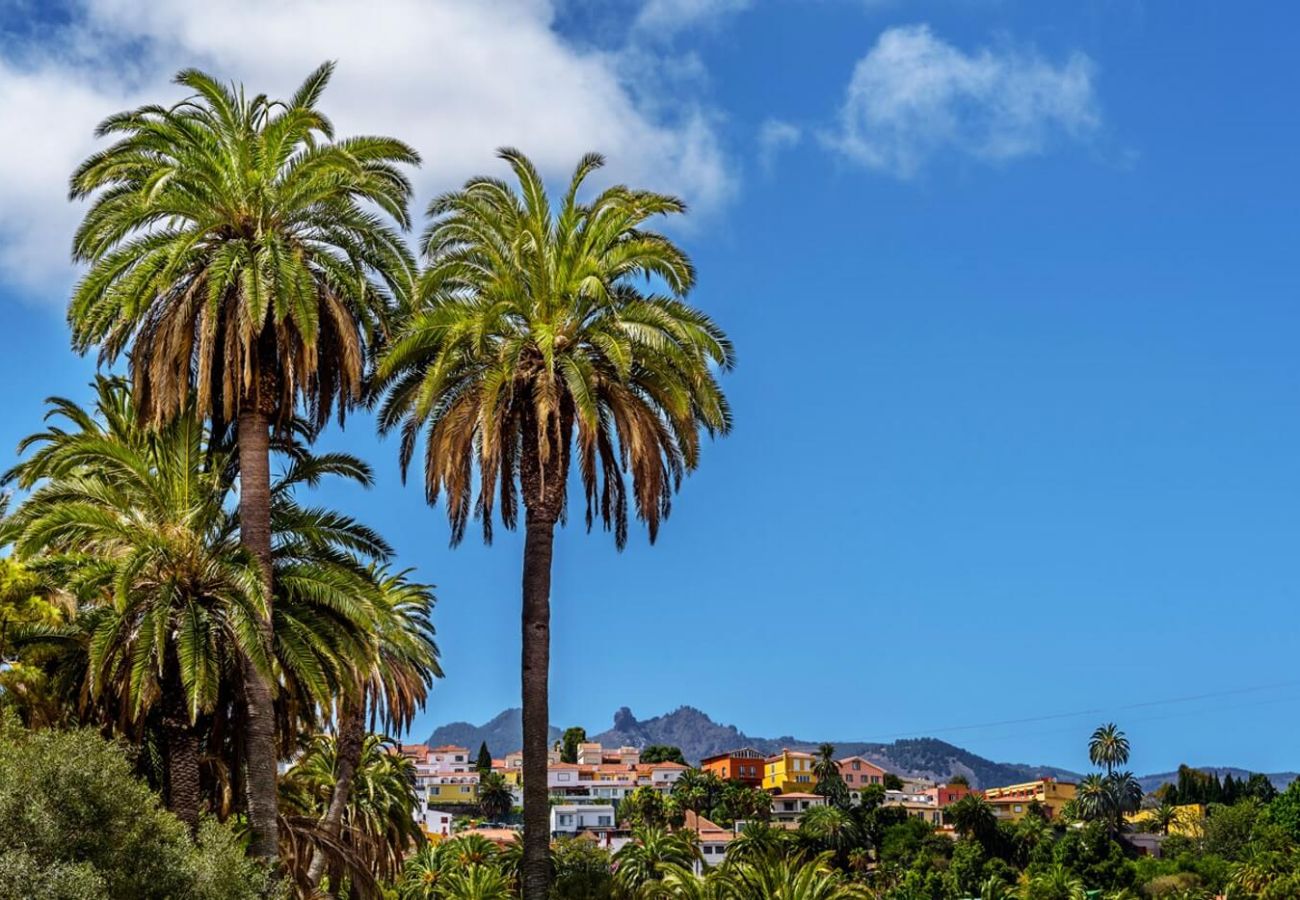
{"type": "Point", "coordinates": [502, 734]}
{"type": "Point", "coordinates": [1280, 779]}
{"type": "Point", "coordinates": [699, 736]}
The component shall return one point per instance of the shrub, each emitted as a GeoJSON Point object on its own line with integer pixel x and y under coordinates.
{"type": "Point", "coordinates": [75, 822]}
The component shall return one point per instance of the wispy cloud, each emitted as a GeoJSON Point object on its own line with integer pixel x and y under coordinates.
{"type": "Point", "coordinates": [455, 78]}
{"type": "Point", "coordinates": [670, 16]}
{"type": "Point", "coordinates": [775, 136]}
{"type": "Point", "coordinates": [915, 97]}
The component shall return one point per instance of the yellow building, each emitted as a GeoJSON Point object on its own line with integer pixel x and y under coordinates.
{"type": "Point", "coordinates": [790, 771]}
{"type": "Point", "coordinates": [1013, 801]}
{"type": "Point", "coordinates": [451, 789]}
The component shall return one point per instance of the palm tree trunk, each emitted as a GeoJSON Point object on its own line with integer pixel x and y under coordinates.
{"type": "Point", "coordinates": [539, 538]}
{"type": "Point", "coordinates": [255, 535]}
{"type": "Point", "coordinates": [183, 791]}
{"type": "Point", "coordinates": [347, 757]}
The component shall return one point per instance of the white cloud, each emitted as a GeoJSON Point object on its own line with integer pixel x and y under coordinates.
{"type": "Point", "coordinates": [455, 78]}
{"type": "Point", "coordinates": [914, 97]}
{"type": "Point", "coordinates": [670, 16]}
{"type": "Point", "coordinates": [773, 137]}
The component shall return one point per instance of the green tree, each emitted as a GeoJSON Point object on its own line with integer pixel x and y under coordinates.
{"type": "Point", "coordinates": [662, 753]}
{"type": "Point", "coordinates": [582, 870]}
{"type": "Point", "coordinates": [569, 742]}
{"type": "Point", "coordinates": [1285, 810]}
{"type": "Point", "coordinates": [1108, 747]}
{"type": "Point", "coordinates": [75, 822]}
{"type": "Point", "coordinates": [1260, 787]}
{"type": "Point", "coordinates": [483, 764]}
{"type": "Point", "coordinates": [892, 782]}
{"type": "Point", "coordinates": [973, 817]}
{"type": "Point", "coordinates": [494, 796]}
{"type": "Point", "coordinates": [234, 255]}
{"type": "Point", "coordinates": [829, 783]}
{"type": "Point", "coordinates": [532, 340]}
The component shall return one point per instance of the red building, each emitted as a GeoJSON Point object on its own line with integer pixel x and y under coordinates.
{"type": "Point", "coordinates": [744, 765]}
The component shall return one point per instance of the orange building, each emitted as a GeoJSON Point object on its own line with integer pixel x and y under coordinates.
{"type": "Point", "coordinates": [744, 765]}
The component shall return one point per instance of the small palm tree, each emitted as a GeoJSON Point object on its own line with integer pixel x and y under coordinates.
{"type": "Point", "coordinates": [233, 254]}
{"type": "Point", "coordinates": [533, 348]}
{"type": "Point", "coordinates": [494, 796]}
{"type": "Point", "coordinates": [1057, 883]}
{"type": "Point", "coordinates": [389, 686]}
{"type": "Point", "coordinates": [972, 816]}
{"type": "Point", "coordinates": [1108, 747]}
{"type": "Point", "coordinates": [646, 858]}
{"type": "Point", "coordinates": [1094, 799]}
{"type": "Point", "coordinates": [830, 784]}
{"type": "Point", "coordinates": [786, 879]}
{"type": "Point", "coordinates": [476, 882]}
{"type": "Point", "coordinates": [1163, 817]}
{"type": "Point", "coordinates": [378, 828]}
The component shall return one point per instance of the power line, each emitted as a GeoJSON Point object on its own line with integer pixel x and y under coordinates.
{"type": "Point", "coordinates": [1147, 704]}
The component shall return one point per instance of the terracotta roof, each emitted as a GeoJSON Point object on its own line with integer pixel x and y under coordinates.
{"type": "Point", "coordinates": [798, 796]}
{"type": "Point", "coordinates": [448, 748]}
{"type": "Point", "coordinates": [708, 832]}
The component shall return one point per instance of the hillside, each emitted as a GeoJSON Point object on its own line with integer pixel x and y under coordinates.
{"type": "Point", "coordinates": [502, 733]}
{"type": "Point", "coordinates": [1280, 779]}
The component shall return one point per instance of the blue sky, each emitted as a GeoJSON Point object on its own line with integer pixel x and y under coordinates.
{"type": "Point", "coordinates": [1014, 291]}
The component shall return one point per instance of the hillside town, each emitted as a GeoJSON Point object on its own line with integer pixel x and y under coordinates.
{"type": "Point", "coordinates": [586, 794]}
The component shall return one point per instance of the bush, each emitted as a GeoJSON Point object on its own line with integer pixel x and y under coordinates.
{"type": "Point", "coordinates": [75, 822]}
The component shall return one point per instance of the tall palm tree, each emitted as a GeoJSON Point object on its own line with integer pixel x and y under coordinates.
{"type": "Point", "coordinates": [535, 343]}
{"type": "Point", "coordinates": [234, 253]}
{"type": "Point", "coordinates": [1108, 747]}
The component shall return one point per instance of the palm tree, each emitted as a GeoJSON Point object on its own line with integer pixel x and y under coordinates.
{"type": "Point", "coordinates": [647, 856]}
{"type": "Point", "coordinates": [135, 519]}
{"type": "Point", "coordinates": [1108, 747]}
{"type": "Point", "coordinates": [378, 828]}
{"type": "Point", "coordinates": [786, 879]}
{"type": "Point", "coordinates": [134, 523]}
{"type": "Point", "coordinates": [234, 255]}
{"type": "Point", "coordinates": [830, 784]}
{"type": "Point", "coordinates": [391, 686]}
{"type": "Point", "coordinates": [830, 829]}
{"type": "Point", "coordinates": [759, 840]}
{"type": "Point", "coordinates": [1057, 883]}
{"type": "Point", "coordinates": [533, 346]}
{"type": "Point", "coordinates": [477, 882]}
{"type": "Point", "coordinates": [494, 796]}
{"type": "Point", "coordinates": [972, 816]}
{"type": "Point", "coordinates": [1162, 817]}
{"type": "Point", "coordinates": [1094, 799]}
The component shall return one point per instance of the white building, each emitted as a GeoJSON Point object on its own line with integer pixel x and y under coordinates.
{"type": "Point", "coordinates": [569, 819]}
{"type": "Point", "coordinates": [789, 808]}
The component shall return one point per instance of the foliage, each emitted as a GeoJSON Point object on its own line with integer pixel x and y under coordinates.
{"type": "Point", "coordinates": [494, 796]}
{"type": "Point", "coordinates": [75, 822]}
{"type": "Point", "coordinates": [569, 742]}
{"type": "Point", "coordinates": [662, 753]}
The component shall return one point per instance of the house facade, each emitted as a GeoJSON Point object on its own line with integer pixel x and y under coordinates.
{"type": "Point", "coordinates": [789, 771]}
{"type": "Point", "coordinates": [1013, 801]}
{"type": "Point", "coordinates": [859, 773]}
{"type": "Point", "coordinates": [744, 766]}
